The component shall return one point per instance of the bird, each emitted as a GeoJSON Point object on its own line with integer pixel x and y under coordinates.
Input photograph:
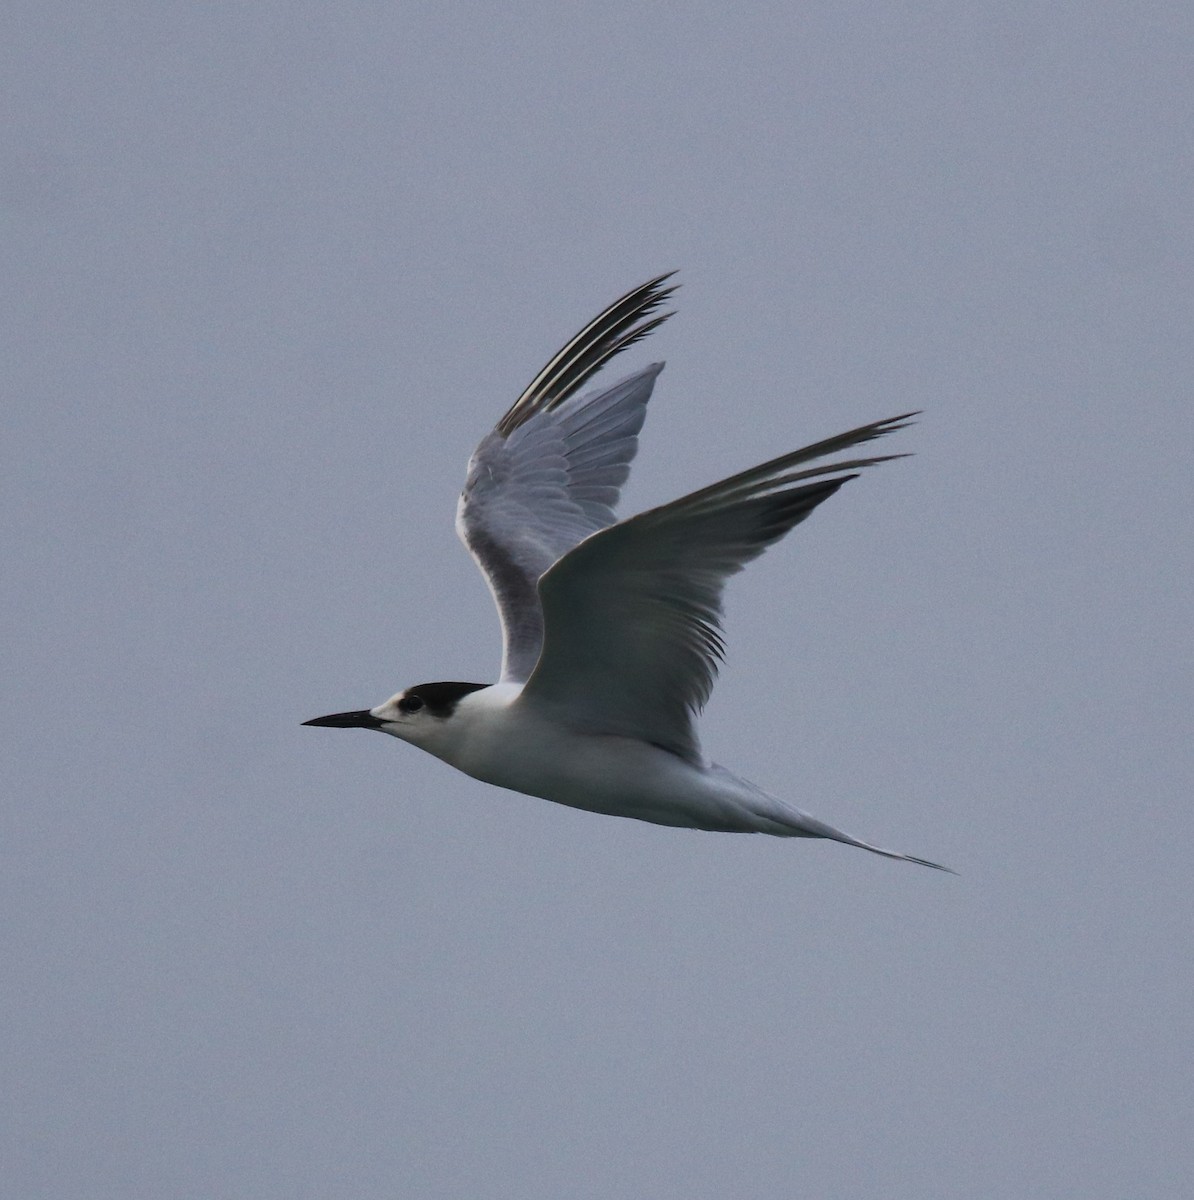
{"type": "Point", "coordinates": [611, 629]}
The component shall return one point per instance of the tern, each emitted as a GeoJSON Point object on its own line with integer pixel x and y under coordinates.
{"type": "Point", "coordinates": [611, 630]}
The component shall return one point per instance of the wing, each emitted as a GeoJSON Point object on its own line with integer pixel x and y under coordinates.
{"type": "Point", "coordinates": [633, 614]}
{"type": "Point", "coordinates": [550, 473]}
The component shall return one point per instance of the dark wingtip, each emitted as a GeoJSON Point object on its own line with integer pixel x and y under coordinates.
{"type": "Point", "coordinates": [617, 327]}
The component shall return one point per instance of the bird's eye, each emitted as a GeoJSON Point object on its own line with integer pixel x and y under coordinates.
{"type": "Point", "coordinates": [410, 704]}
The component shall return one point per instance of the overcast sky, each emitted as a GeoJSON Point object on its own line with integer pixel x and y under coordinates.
{"type": "Point", "coordinates": [270, 271]}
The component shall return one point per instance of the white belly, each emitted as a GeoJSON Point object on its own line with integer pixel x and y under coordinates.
{"type": "Point", "coordinates": [613, 775]}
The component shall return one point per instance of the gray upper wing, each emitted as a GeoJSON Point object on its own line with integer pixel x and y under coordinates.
{"type": "Point", "coordinates": [633, 614]}
{"type": "Point", "coordinates": [551, 471]}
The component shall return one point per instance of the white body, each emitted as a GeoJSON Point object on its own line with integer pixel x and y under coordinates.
{"type": "Point", "coordinates": [498, 737]}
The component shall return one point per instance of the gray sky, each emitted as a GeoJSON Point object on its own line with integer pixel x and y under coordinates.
{"type": "Point", "coordinates": [270, 272]}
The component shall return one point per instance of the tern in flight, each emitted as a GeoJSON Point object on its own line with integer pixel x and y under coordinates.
{"type": "Point", "coordinates": [611, 630]}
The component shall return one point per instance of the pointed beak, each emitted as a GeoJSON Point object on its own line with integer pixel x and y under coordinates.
{"type": "Point", "coordinates": [362, 719]}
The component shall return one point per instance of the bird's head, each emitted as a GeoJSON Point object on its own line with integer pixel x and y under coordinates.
{"type": "Point", "coordinates": [419, 714]}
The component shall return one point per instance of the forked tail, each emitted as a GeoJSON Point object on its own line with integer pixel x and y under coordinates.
{"type": "Point", "coordinates": [772, 815]}
{"type": "Point", "coordinates": [837, 836]}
